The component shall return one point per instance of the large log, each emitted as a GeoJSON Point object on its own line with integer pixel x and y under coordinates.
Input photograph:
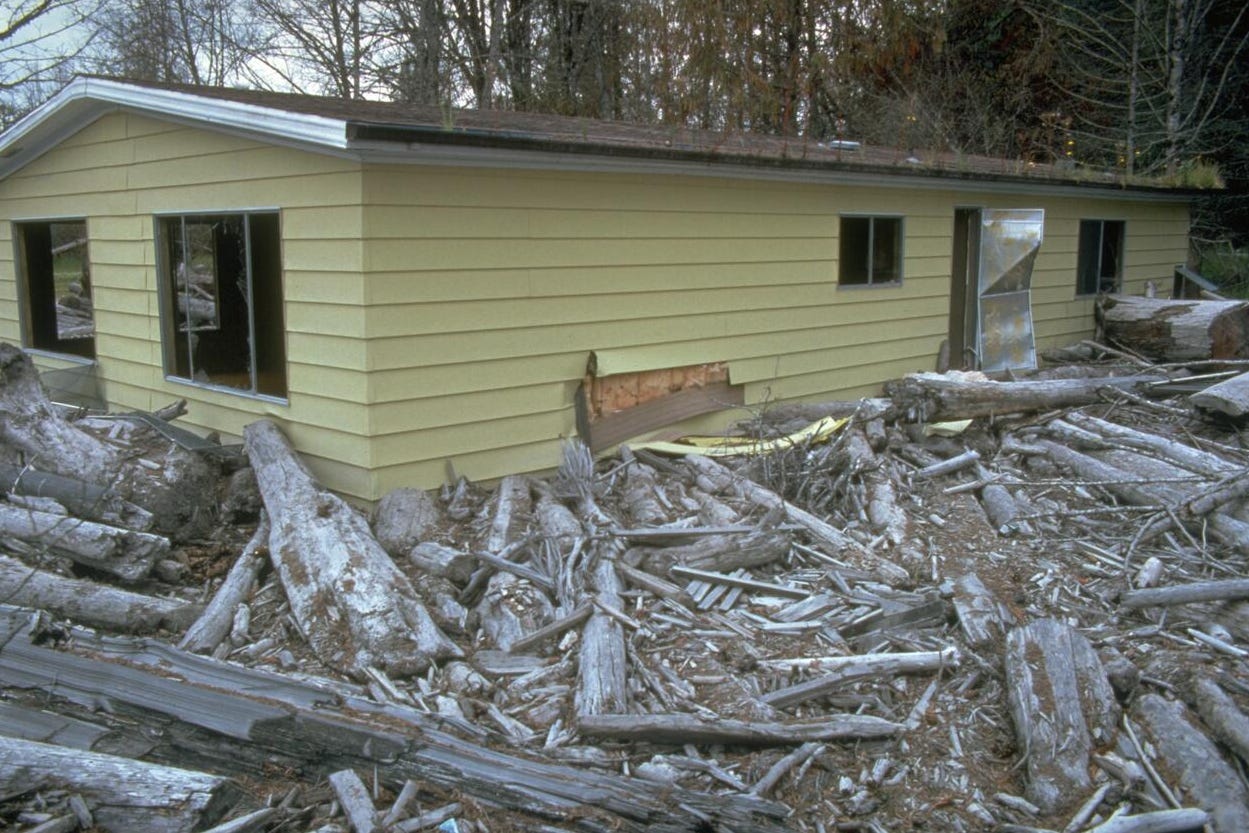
{"type": "Point", "coordinates": [124, 553]}
{"type": "Point", "coordinates": [1177, 330]}
{"type": "Point", "coordinates": [937, 397]}
{"type": "Point", "coordinates": [1192, 758]}
{"type": "Point", "coordinates": [1229, 398]}
{"type": "Point", "coordinates": [602, 683]}
{"type": "Point", "coordinates": [240, 718]}
{"type": "Point", "coordinates": [123, 794]}
{"type": "Point", "coordinates": [352, 603]}
{"type": "Point", "coordinates": [87, 501]}
{"type": "Point", "coordinates": [1062, 706]}
{"type": "Point", "coordinates": [88, 603]}
{"type": "Point", "coordinates": [176, 490]}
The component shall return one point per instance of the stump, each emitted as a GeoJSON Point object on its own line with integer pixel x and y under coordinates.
{"type": "Point", "coordinates": [1177, 330]}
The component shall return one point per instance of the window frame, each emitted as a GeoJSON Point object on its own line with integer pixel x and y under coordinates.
{"type": "Point", "coordinates": [1081, 291]}
{"type": "Point", "coordinates": [21, 275]}
{"type": "Point", "coordinates": [900, 248]}
{"type": "Point", "coordinates": [168, 308]}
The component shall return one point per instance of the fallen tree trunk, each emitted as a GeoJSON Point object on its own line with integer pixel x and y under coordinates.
{"type": "Point", "coordinates": [680, 729]}
{"type": "Point", "coordinates": [1229, 398]}
{"type": "Point", "coordinates": [1062, 707]}
{"type": "Point", "coordinates": [91, 604]}
{"type": "Point", "coordinates": [352, 603]}
{"type": "Point", "coordinates": [1210, 782]}
{"type": "Point", "coordinates": [124, 553]}
{"type": "Point", "coordinates": [602, 682]}
{"type": "Point", "coordinates": [1222, 715]}
{"type": "Point", "coordinates": [176, 490]}
{"type": "Point", "coordinates": [85, 500]}
{"type": "Point", "coordinates": [844, 670]}
{"type": "Point", "coordinates": [123, 794]}
{"type": "Point", "coordinates": [1176, 330]}
{"type": "Point", "coordinates": [935, 397]}
{"type": "Point", "coordinates": [241, 718]}
{"type": "Point", "coordinates": [1179, 594]}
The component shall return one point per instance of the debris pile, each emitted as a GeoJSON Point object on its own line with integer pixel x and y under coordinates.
{"type": "Point", "coordinates": [968, 605]}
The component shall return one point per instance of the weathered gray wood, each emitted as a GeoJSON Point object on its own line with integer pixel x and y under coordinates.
{"type": "Point", "coordinates": [980, 615]}
{"type": "Point", "coordinates": [638, 494]}
{"type": "Point", "coordinates": [1222, 715]}
{"type": "Point", "coordinates": [448, 563]}
{"type": "Point", "coordinates": [215, 622]}
{"type": "Point", "coordinates": [352, 603]}
{"type": "Point", "coordinates": [602, 684]}
{"type": "Point", "coordinates": [1160, 821]}
{"type": "Point", "coordinates": [1176, 330]}
{"type": "Point", "coordinates": [1062, 707]}
{"type": "Point", "coordinates": [1195, 763]}
{"type": "Point", "coordinates": [89, 603]}
{"type": "Point", "coordinates": [768, 587]}
{"type": "Point", "coordinates": [935, 397]}
{"type": "Point", "coordinates": [533, 640]}
{"type": "Point", "coordinates": [176, 492]}
{"type": "Point", "coordinates": [125, 795]}
{"type": "Point", "coordinates": [779, 769]}
{"type": "Point", "coordinates": [680, 729]}
{"type": "Point", "coordinates": [404, 518]}
{"type": "Point", "coordinates": [430, 818]}
{"type": "Point", "coordinates": [512, 607]}
{"type": "Point", "coordinates": [354, 798]}
{"type": "Point", "coordinates": [1229, 398]}
{"type": "Point", "coordinates": [127, 554]}
{"type": "Point", "coordinates": [998, 504]}
{"type": "Point", "coordinates": [1166, 448]}
{"type": "Point", "coordinates": [85, 500]}
{"type": "Point", "coordinates": [256, 716]}
{"type": "Point", "coordinates": [720, 552]}
{"type": "Point", "coordinates": [1179, 594]}
{"type": "Point", "coordinates": [822, 531]}
{"type": "Point", "coordinates": [251, 823]}
{"type": "Point", "coordinates": [511, 506]}
{"type": "Point", "coordinates": [841, 670]}
{"type": "Point", "coordinates": [956, 463]}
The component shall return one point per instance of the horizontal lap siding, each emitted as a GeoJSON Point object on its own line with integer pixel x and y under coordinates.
{"type": "Point", "coordinates": [487, 292]}
{"type": "Point", "coordinates": [120, 171]}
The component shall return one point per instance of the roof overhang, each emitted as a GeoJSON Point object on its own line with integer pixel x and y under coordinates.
{"type": "Point", "coordinates": [84, 100]}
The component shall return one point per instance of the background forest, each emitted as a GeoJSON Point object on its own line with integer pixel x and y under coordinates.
{"type": "Point", "coordinates": [1157, 89]}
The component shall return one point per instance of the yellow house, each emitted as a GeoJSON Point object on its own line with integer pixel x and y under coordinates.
{"type": "Point", "coordinates": [401, 288]}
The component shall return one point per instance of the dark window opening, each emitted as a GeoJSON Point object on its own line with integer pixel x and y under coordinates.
{"type": "Point", "coordinates": [56, 285]}
{"type": "Point", "coordinates": [871, 251]}
{"type": "Point", "coordinates": [223, 320]}
{"type": "Point", "coordinates": [1100, 265]}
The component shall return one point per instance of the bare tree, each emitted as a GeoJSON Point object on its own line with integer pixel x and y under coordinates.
{"type": "Point", "coordinates": [338, 47]}
{"type": "Point", "coordinates": [38, 38]}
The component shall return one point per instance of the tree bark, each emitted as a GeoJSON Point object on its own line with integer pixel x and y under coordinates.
{"type": "Point", "coordinates": [352, 603]}
{"type": "Point", "coordinates": [1177, 330]}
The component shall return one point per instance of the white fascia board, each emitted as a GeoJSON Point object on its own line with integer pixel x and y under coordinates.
{"type": "Point", "coordinates": [84, 100]}
{"type": "Point", "coordinates": [448, 155]}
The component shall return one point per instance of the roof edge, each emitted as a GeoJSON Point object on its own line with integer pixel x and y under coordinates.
{"type": "Point", "coordinates": [85, 99]}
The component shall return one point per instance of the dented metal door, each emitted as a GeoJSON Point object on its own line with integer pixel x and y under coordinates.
{"type": "Point", "coordinates": [1009, 240]}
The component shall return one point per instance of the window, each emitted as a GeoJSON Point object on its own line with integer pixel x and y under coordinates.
{"type": "Point", "coordinates": [221, 288]}
{"type": "Point", "coordinates": [1100, 266]}
{"type": "Point", "coordinates": [871, 251]}
{"type": "Point", "coordinates": [55, 274]}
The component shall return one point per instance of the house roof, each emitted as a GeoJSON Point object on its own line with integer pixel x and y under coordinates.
{"type": "Point", "coordinates": [402, 132]}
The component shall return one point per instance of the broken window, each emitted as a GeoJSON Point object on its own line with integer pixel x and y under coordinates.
{"type": "Point", "coordinates": [222, 318]}
{"type": "Point", "coordinates": [1100, 264]}
{"type": "Point", "coordinates": [55, 273]}
{"type": "Point", "coordinates": [871, 251]}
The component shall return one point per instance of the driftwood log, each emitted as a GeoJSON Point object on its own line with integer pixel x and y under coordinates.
{"type": "Point", "coordinates": [175, 490]}
{"type": "Point", "coordinates": [1230, 398]}
{"type": "Point", "coordinates": [245, 721]}
{"type": "Point", "coordinates": [1192, 758]}
{"type": "Point", "coordinates": [127, 554]}
{"type": "Point", "coordinates": [85, 500]}
{"type": "Point", "coordinates": [937, 397]}
{"type": "Point", "coordinates": [89, 603]}
{"type": "Point", "coordinates": [352, 603]}
{"type": "Point", "coordinates": [680, 729]}
{"type": "Point", "coordinates": [1176, 330]}
{"type": "Point", "coordinates": [1062, 707]}
{"type": "Point", "coordinates": [123, 794]}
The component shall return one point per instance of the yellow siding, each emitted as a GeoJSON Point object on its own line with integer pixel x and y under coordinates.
{"type": "Point", "coordinates": [487, 290]}
{"type": "Point", "coordinates": [440, 315]}
{"type": "Point", "coordinates": [120, 171]}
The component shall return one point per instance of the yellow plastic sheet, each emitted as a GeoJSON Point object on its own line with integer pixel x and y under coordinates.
{"type": "Point", "coordinates": [816, 432]}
